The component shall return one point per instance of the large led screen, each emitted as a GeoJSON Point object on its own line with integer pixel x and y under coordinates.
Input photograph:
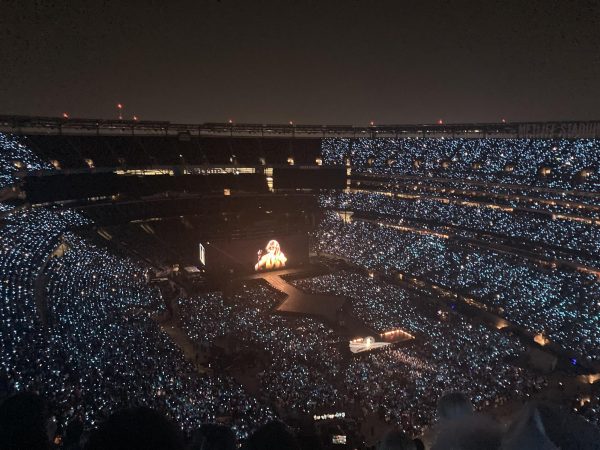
{"type": "Point", "coordinates": [271, 257]}
{"type": "Point", "coordinates": [256, 254]}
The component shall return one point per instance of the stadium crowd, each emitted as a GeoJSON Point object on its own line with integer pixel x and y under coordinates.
{"type": "Point", "coordinates": [561, 304]}
{"type": "Point", "coordinates": [517, 161]}
{"type": "Point", "coordinates": [299, 355]}
{"type": "Point", "coordinates": [578, 240]}
{"type": "Point", "coordinates": [304, 370]}
{"type": "Point", "coordinates": [77, 321]}
{"type": "Point", "coordinates": [14, 157]}
{"type": "Point", "coordinates": [546, 200]}
{"type": "Point", "coordinates": [96, 348]}
{"type": "Point", "coordinates": [25, 424]}
{"type": "Point", "coordinates": [449, 352]}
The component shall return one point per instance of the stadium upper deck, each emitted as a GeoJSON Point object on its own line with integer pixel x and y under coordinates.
{"type": "Point", "coordinates": [78, 126]}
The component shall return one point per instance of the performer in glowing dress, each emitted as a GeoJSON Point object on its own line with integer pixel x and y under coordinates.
{"type": "Point", "coordinates": [272, 259]}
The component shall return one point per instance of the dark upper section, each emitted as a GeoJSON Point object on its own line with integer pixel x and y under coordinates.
{"type": "Point", "coordinates": [79, 152]}
{"type": "Point", "coordinates": [78, 126]}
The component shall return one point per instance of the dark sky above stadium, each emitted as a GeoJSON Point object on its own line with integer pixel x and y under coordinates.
{"type": "Point", "coordinates": [323, 62]}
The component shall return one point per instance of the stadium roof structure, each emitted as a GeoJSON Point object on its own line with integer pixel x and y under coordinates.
{"type": "Point", "coordinates": [61, 125]}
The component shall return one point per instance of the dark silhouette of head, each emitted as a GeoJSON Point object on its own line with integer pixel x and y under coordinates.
{"type": "Point", "coordinates": [419, 444]}
{"type": "Point", "coordinates": [469, 432]}
{"type": "Point", "coordinates": [396, 440]}
{"type": "Point", "coordinates": [24, 423]}
{"type": "Point", "coordinates": [454, 406]}
{"type": "Point", "coordinates": [272, 436]}
{"type": "Point", "coordinates": [136, 428]}
{"type": "Point", "coordinates": [213, 437]}
{"type": "Point", "coordinates": [568, 431]}
{"type": "Point", "coordinates": [527, 432]}
{"type": "Point", "coordinates": [73, 433]}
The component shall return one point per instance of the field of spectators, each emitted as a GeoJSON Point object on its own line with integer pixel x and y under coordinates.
{"type": "Point", "coordinates": [515, 161]}
{"type": "Point", "coordinates": [562, 304]}
{"type": "Point", "coordinates": [581, 240]}
{"type": "Point", "coordinates": [99, 348]}
{"type": "Point", "coordinates": [78, 320]}
{"type": "Point", "coordinates": [306, 371]}
{"type": "Point", "coordinates": [16, 156]}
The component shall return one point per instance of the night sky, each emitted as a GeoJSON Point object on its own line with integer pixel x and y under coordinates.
{"type": "Point", "coordinates": [321, 62]}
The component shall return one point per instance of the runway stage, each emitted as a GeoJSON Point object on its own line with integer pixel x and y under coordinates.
{"type": "Point", "coordinates": [328, 307]}
{"type": "Point", "coordinates": [299, 302]}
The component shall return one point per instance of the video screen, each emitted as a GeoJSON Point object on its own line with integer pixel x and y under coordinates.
{"type": "Point", "coordinates": [245, 256]}
{"type": "Point", "coordinates": [202, 254]}
{"type": "Point", "coordinates": [271, 257]}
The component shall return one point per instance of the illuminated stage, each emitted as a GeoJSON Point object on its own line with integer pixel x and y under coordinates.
{"type": "Point", "coordinates": [299, 302]}
{"type": "Point", "coordinates": [331, 308]}
{"type": "Point", "coordinates": [271, 264]}
{"type": "Point", "coordinates": [367, 344]}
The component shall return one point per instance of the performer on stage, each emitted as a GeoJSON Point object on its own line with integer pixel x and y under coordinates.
{"type": "Point", "coordinates": [272, 259]}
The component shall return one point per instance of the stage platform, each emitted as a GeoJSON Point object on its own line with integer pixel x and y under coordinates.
{"type": "Point", "coordinates": [327, 307]}
{"type": "Point", "coordinates": [298, 301]}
